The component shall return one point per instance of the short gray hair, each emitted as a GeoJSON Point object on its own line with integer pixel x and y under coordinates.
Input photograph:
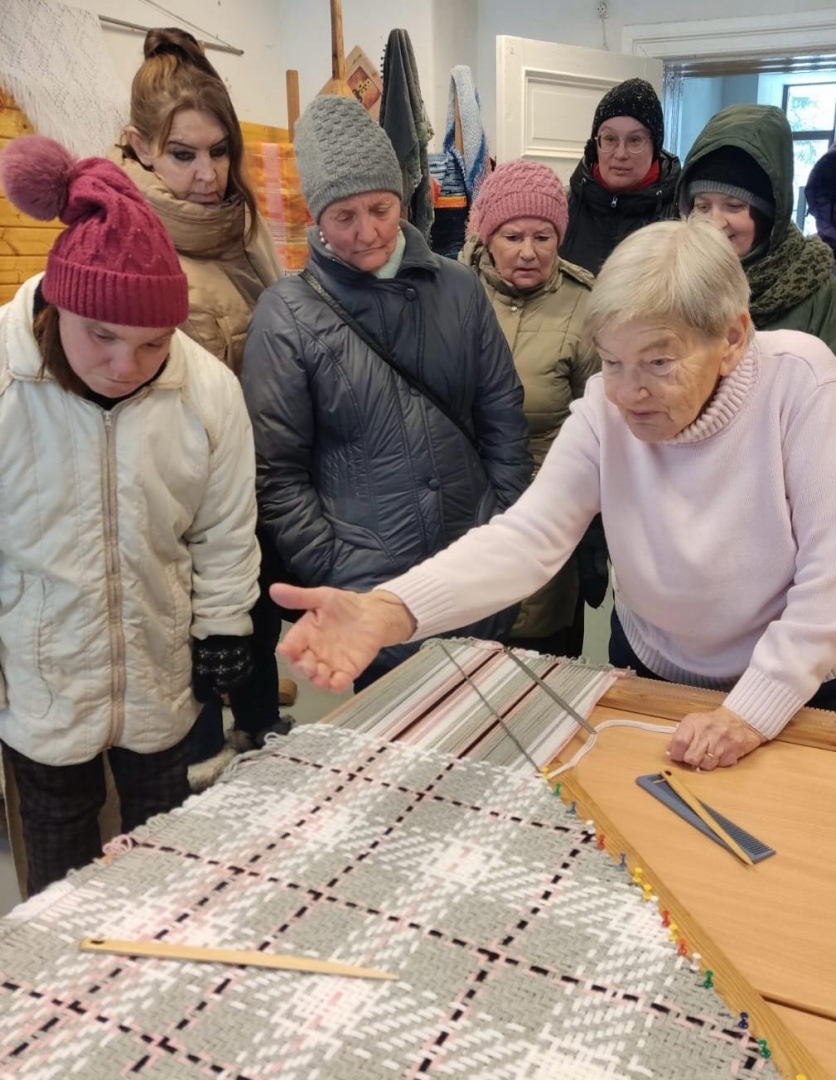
{"type": "Point", "coordinates": [686, 272]}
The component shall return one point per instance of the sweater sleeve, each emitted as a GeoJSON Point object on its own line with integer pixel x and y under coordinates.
{"type": "Point", "coordinates": [797, 651]}
{"type": "Point", "coordinates": [501, 426]}
{"type": "Point", "coordinates": [494, 566]}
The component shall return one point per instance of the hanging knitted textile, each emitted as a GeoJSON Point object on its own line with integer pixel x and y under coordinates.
{"type": "Point", "coordinates": [459, 169]}
{"type": "Point", "coordinates": [54, 62]}
{"type": "Point", "coordinates": [404, 119]}
{"type": "Point", "coordinates": [467, 697]}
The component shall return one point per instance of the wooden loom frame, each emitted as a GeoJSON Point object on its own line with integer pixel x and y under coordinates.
{"type": "Point", "coordinates": [809, 727]}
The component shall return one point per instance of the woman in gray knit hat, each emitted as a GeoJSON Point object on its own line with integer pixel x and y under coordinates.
{"type": "Point", "coordinates": [387, 413]}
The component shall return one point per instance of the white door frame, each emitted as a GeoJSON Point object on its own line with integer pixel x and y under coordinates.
{"type": "Point", "coordinates": [806, 32]}
{"type": "Point", "coordinates": [749, 35]}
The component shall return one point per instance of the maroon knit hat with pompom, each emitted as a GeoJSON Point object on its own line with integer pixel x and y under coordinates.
{"type": "Point", "coordinates": [517, 189]}
{"type": "Point", "coordinates": [114, 262]}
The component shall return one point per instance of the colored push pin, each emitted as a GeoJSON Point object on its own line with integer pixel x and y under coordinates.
{"type": "Point", "coordinates": [682, 948]}
{"type": "Point", "coordinates": [623, 863]}
{"type": "Point", "coordinates": [573, 807]}
{"type": "Point", "coordinates": [638, 874]}
{"type": "Point", "coordinates": [743, 1022]}
{"type": "Point", "coordinates": [708, 981]}
{"type": "Point", "coordinates": [647, 891]}
{"type": "Point", "coordinates": [666, 918]}
{"type": "Point", "coordinates": [673, 932]}
{"type": "Point", "coordinates": [601, 845]}
{"type": "Point", "coordinates": [695, 961]}
{"type": "Point", "coordinates": [557, 788]}
{"type": "Point", "coordinates": [764, 1048]}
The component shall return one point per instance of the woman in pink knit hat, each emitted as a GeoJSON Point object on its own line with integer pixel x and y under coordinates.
{"type": "Point", "coordinates": [128, 559]}
{"type": "Point", "coordinates": [516, 226]}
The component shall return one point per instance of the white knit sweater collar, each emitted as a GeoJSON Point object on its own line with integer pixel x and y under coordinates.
{"type": "Point", "coordinates": [726, 403]}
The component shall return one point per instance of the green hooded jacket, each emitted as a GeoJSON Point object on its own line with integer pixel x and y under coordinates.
{"type": "Point", "coordinates": [791, 280]}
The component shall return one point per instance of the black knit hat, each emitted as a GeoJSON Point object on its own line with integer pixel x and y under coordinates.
{"type": "Point", "coordinates": [635, 98]}
{"type": "Point", "coordinates": [730, 171]}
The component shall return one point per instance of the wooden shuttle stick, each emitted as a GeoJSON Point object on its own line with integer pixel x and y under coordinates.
{"type": "Point", "coordinates": [687, 796]}
{"type": "Point", "coordinates": [164, 951]}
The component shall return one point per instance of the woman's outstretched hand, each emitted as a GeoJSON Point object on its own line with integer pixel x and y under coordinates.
{"type": "Point", "coordinates": [341, 632]}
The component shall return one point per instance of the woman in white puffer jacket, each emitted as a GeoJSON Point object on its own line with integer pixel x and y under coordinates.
{"type": "Point", "coordinates": [128, 561]}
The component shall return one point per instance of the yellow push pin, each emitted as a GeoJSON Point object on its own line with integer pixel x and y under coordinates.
{"type": "Point", "coordinates": [673, 933]}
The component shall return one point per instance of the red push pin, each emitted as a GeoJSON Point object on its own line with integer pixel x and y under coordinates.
{"type": "Point", "coordinates": [666, 918]}
{"type": "Point", "coordinates": [683, 948]}
{"type": "Point", "coordinates": [600, 844]}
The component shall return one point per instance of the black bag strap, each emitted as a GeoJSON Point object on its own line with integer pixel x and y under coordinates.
{"type": "Point", "coordinates": [385, 356]}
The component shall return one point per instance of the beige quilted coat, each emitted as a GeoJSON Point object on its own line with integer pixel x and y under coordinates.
{"type": "Point", "coordinates": [543, 328]}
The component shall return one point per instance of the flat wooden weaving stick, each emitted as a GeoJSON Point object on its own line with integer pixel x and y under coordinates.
{"type": "Point", "coordinates": [163, 951]}
{"type": "Point", "coordinates": [687, 796]}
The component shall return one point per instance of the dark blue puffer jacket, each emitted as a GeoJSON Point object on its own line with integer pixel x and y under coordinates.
{"type": "Point", "coordinates": [360, 477]}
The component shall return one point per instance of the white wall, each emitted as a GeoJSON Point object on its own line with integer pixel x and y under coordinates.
{"type": "Point", "coordinates": [306, 37]}
{"type": "Point", "coordinates": [456, 34]}
{"type": "Point", "coordinates": [278, 34]}
{"type": "Point", "coordinates": [443, 33]}
{"type": "Point", "coordinates": [252, 25]}
{"type": "Point", "coordinates": [700, 101]}
{"type": "Point", "coordinates": [702, 98]}
{"type": "Point", "coordinates": [661, 11]}
{"type": "Point", "coordinates": [572, 22]}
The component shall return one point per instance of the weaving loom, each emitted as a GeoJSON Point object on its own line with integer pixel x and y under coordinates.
{"type": "Point", "coordinates": [521, 950]}
{"type": "Point", "coordinates": [430, 703]}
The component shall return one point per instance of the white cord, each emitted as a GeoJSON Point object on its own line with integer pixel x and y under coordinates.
{"type": "Point", "coordinates": [591, 740]}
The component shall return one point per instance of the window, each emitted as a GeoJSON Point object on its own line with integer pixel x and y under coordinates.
{"type": "Point", "coordinates": [811, 111]}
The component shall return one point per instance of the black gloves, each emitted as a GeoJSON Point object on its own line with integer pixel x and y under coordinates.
{"type": "Point", "coordinates": [220, 664]}
{"type": "Point", "coordinates": [593, 570]}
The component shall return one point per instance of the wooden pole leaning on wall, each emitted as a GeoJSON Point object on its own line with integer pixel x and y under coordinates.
{"type": "Point", "coordinates": [337, 84]}
{"type": "Point", "coordinates": [292, 85]}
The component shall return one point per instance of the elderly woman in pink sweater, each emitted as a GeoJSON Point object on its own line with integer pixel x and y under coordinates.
{"type": "Point", "coordinates": [708, 449]}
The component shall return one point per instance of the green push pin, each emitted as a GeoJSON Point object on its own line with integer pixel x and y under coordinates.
{"type": "Point", "coordinates": [764, 1048]}
{"type": "Point", "coordinates": [557, 788]}
{"type": "Point", "coordinates": [708, 981]}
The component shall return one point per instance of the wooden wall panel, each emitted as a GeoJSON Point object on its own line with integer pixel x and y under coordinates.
{"type": "Point", "coordinates": [24, 242]}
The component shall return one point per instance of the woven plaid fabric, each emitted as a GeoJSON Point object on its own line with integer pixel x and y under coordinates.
{"type": "Point", "coordinates": [521, 950]}
{"type": "Point", "coordinates": [272, 168]}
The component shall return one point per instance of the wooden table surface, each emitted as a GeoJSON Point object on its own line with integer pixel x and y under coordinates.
{"type": "Point", "coordinates": [774, 922]}
{"type": "Point", "coordinates": [818, 1034]}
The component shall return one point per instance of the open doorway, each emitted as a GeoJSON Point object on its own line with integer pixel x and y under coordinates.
{"type": "Point", "coordinates": [808, 98]}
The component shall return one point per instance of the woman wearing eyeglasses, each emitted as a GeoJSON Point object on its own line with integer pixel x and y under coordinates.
{"type": "Point", "coordinates": [625, 180]}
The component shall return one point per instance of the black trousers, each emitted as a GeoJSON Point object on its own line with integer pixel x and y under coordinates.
{"type": "Point", "coordinates": [59, 804]}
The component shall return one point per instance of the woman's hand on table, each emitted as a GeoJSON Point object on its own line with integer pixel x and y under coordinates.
{"type": "Point", "coordinates": [709, 739]}
{"type": "Point", "coordinates": [341, 632]}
